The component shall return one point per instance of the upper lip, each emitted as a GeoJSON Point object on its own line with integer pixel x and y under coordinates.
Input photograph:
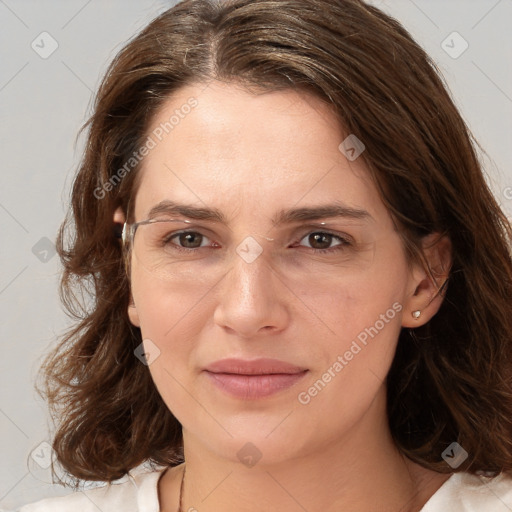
{"type": "Point", "coordinates": [262, 366]}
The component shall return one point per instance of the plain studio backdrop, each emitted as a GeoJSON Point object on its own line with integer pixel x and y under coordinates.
{"type": "Point", "coordinates": [53, 55]}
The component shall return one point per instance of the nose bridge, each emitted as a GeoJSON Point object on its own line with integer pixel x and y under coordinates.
{"type": "Point", "coordinates": [251, 273]}
{"type": "Point", "coordinates": [249, 297]}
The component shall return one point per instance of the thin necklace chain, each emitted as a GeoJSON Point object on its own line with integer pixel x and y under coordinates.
{"type": "Point", "coordinates": [181, 489]}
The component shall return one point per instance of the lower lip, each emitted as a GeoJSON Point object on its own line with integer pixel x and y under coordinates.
{"type": "Point", "coordinates": [254, 386]}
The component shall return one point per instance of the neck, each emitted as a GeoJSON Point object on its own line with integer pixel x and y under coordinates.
{"type": "Point", "coordinates": [361, 471]}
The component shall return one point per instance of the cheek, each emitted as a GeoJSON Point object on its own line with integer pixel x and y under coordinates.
{"type": "Point", "coordinates": [345, 307]}
{"type": "Point", "coordinates": [165, 310]}
{"type": "Point", "coordinates": [360, 324]}
{"type": "Point", "coordinates": [355, 360]}
{"type": "Point", "coordinates": [170, 319]}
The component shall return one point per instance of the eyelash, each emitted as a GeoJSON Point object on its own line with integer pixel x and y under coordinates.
{"type": "Point", "coordinates": [344, 241]}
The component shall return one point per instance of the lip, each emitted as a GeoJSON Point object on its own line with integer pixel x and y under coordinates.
{"type": "Point", "coordinates": [253, 379]}
{"type": "Point", "coordinates": [261, 366]}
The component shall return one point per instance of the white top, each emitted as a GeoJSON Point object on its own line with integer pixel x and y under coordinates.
{"type": "Point", "coordinates": [138, 492]}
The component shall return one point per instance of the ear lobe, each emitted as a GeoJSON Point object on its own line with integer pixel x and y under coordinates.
{"type": "Point", "coordinates": [430, 282]}
{"type": "Point", "coordinates": [132, 313]}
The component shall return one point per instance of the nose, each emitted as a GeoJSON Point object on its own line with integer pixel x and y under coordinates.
{"type": "Point", "coordinates": [252, 298]}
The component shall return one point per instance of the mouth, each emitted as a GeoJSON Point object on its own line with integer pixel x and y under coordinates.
{"type": "Point", "coordinates": [253, 379]}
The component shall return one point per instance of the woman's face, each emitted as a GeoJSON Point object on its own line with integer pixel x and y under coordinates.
{"type": "Point", "coordinates": [252, 283]}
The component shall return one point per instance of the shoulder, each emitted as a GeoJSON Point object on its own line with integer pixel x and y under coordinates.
{"type": "Point", "coordinates": [137, 491]}
{"type": "Point", "coordinates": [464, 492]}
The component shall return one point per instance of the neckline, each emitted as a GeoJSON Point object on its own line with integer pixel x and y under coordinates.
{"type": "Point", "coordinates": [440, 491]}
{"type": "Point", "coordinates": [148, 487]}
{"type": "Point", "coordinates": [448, 483]}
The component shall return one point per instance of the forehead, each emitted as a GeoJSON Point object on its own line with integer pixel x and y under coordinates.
{"type": "Point", "coordinates": [244, 153]}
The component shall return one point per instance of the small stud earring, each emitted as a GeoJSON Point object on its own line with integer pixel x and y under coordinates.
{"type": "Point", "coordinates": [416, 314]}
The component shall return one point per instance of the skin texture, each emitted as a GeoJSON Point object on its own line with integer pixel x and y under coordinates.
{"type": "Point", "coordinates": [250, 156]}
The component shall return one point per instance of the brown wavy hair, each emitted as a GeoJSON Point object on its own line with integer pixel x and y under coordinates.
{"type": "Point", "coordinates": [450, 379]}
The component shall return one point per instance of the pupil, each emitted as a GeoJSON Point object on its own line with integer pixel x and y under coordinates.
{"type": "Point", "coordinates": [324, 239]}
{"type": "Point", "coordinates": [187, 240]}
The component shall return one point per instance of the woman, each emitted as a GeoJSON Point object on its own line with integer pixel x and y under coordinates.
{"type": "Point", "coordinates": [307, 305]}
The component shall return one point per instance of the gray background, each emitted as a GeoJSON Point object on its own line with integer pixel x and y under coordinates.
{"type": "Point", "coordinates": [44, 101]}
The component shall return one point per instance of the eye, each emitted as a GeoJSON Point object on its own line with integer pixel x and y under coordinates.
{"type": "Point", "coordinates": [321, 241]}
{"type": "Point", "coordinates": [187, 240]}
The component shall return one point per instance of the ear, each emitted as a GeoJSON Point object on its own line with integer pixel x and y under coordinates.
{"type": "Point", "coordinates": [120, 219]}
{"type": "Point", "coordinates": [119, 216]}
{"type": "Point", "coordinates": [429, 284]}
{"type": "Point", "coordinates": [132, 313]}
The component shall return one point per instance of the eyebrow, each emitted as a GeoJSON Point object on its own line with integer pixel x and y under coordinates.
{"type": "Point", "coordinates": [307, 213]}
